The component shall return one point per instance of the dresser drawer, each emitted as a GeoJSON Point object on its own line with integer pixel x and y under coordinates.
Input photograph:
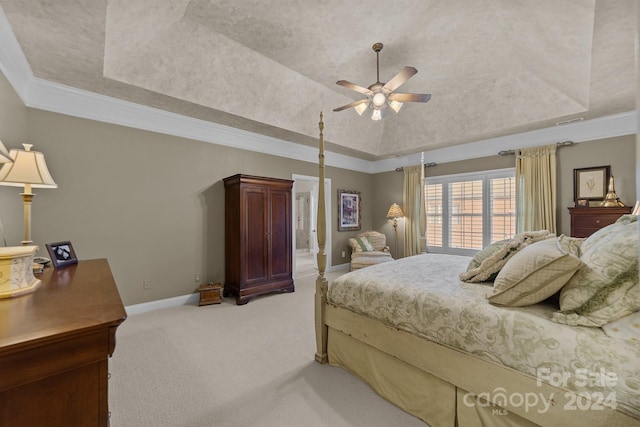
{"type": "Point", "coordinates": [586, 221]}
{"type": "Point", "coordinates": [595, 222]}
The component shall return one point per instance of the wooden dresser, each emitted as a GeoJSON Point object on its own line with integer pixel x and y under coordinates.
{"type": "Point", "coordinates": [54, 348]}
{"type": "Point", "coordinates": [586, 221]}
{"type": "Point", "coordinates": [258, 238]}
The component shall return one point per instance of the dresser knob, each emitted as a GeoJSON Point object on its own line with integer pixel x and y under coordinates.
{"type": "Point", "coordinates": [597, 221]}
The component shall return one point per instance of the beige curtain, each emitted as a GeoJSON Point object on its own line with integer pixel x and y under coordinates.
{"type": "Point", "coordinates": [536, 189]}
{"type": "Point", "coordinates": [413, 206]}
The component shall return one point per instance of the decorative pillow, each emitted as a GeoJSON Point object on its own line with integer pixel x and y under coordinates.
{"type": "Point", "coordinates": [486, 253]}
{"type": "Point", "coordinates": [572, 245]}
{"type": "Point", "coordinates": [626, 328]}
{"type": "Point", "coordinates": [364, 244]}
{"type": "Point", "coordinates": [497, 256]}
{"type": "Point", "coordinates": [616, 308]}
{"type": "Point", "coordinates": [534, 274]}
{"type": "Point", "coordinates": [610, 264]}
{"type": "Point", "coordinates": [607, 231]}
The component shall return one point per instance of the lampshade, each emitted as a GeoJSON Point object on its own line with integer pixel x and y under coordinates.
{"type": "Point", "coordinates": [4, 154]}
{"type": "Point", "coordinates": [395, 105]}
{"type": "Point", "coordinates": [361, 107]}
{"type": "Point", "coordinates": [395, 211]}
{"type": "Point", "coordinates": [28, 167]}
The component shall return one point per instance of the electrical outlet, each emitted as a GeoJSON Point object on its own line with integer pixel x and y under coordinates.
{"type": "Point", "coordinates": [196, 277]}
{"type": "Point", "coordinates": [146, 284]}
{"type": "Point", "coordinates": [344, 254]}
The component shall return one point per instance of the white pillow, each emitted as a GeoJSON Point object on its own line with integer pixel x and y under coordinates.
{"type": "Point", "coordinates": [534, 274]}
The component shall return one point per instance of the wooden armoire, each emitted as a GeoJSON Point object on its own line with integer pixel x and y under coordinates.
{"type": "Point", "coordinates": [258, 236]}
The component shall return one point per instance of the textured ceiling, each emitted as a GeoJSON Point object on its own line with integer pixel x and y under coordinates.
{"type": "Point", "coordinates": [493, 67]}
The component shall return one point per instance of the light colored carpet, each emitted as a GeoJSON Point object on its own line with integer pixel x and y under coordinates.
{"type": "Point", "coordinates": [305, 265]}
{"type": "Point", "coordinates": [226, 365]}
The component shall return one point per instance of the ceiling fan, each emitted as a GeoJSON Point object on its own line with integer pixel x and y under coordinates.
{"type": "Point", "coordinates": [379, 95]}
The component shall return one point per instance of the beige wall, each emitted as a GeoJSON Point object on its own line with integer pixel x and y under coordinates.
{"type": "Point", "coordinates": [13, 132]}
{"type": "Point", "coordinates": [619, 153]}
{"type": "Point", "coordinates": [152, 204]}
{"type": "Point", "coordinates": [13, 116]}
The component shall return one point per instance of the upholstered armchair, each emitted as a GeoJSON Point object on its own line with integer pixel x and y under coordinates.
{"type": "Point", "coordinates": [369, 248]}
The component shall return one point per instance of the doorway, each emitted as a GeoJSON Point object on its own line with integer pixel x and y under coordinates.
{"type": "Point", "coordinates": [305, 219]}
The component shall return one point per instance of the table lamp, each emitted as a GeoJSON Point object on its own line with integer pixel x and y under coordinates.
{"type": "Point", "coordinates": [25, 168]}
{"type": "Point", "coordinates": [29, 169]}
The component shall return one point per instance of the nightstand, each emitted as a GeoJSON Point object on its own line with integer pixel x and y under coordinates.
{"type": "Point", "coordinates": [586, 221]}
{"type": "Point", "coordinates": [210, 294]}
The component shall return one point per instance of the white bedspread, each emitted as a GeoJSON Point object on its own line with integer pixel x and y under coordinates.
{"type": "Point", "coordinates": [423, 295]}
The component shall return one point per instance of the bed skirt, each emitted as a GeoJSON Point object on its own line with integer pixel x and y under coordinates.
{"type": "Point", "coordinates": [436, 402]}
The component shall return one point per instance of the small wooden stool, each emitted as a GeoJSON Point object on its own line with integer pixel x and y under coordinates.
{"type": "Point", "coordinates": [210, 294]}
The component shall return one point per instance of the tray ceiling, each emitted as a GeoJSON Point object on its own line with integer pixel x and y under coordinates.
{"type": "Point", "coordinates": [493, 67]}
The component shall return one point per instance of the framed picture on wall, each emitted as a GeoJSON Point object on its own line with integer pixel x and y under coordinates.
{"type": "Point", "coordinates": [590, 183]}
{"type": "Point", "coordinates": [349, 210]}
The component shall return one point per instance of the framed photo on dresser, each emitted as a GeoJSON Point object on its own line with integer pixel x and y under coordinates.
{"type": "Point", "coordinates": [62, 254]}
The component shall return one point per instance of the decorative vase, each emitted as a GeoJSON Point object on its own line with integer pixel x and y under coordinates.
{"type": "Point", "coordinates": [16, 271]}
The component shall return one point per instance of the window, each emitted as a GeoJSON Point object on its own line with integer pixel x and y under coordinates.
{"type": "Point", "coordinates": [469, 211]}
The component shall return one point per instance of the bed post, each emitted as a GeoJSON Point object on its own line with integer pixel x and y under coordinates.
{"type": "Point", "coordinates": [321, 281]}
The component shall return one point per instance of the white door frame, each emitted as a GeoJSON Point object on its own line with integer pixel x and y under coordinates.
{"type": "Point", "coordinates": [327, 198]}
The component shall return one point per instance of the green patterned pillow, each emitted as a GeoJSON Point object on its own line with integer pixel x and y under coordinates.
{"type": "Point", "coordinates": [364, 244]}
{"type": "Point", "coordinates": [607, 231]}
{"type": "Point", "coordinates": [486, 253]}
{"type": "Point", "coordinates": [610, 270]}
{"type": "Point", "coordinates": [620, 303]}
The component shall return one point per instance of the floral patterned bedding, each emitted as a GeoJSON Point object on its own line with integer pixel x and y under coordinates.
{"type": "Point", "coordinates": [423, 295]}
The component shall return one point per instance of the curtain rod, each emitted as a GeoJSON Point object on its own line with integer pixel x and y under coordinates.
{"type": "Point", "coordinates": [559, 144]}
{"type": "Point", "coordinates": [426, 165]}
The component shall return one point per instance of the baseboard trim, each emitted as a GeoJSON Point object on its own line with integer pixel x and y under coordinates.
{"type": "Point", "coordinates": [191, 299]}
{"type": "Point", "coordinates": [339, 267]}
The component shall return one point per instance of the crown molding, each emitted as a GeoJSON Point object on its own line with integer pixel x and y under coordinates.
{"type": "Point", "coordinates": [13, 62]}
{"type": "Point", "coordinates": [59, 98]}
{"type": "Point", "coordinates": [588, 130]}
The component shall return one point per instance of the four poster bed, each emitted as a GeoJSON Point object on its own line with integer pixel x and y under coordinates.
{"type": "Point", "coordinates": [438, 348]}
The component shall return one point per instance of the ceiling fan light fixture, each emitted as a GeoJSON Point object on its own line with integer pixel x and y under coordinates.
{"type": "Point", "coordinates": [376, 115]}
{"type": "Point", "coordinates": [379, 99]}
{"type": "Point", "coordinates": [395, 105]}
{"type": "Point", "coordinates": [360, 108]}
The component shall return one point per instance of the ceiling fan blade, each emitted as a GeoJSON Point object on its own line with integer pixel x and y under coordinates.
{"type": "Point", "coordinates": [354, 86]}
{"type": "Point", "coordinates": [405, 74]}
{"type": "Point", "coordinates": [410, 97]}
{"type": "Point", "coordinates": [353, 104]}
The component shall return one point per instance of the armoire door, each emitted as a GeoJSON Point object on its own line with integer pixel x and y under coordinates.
{"type": "Point", "coordinates": [279, 252]}
{"type": "Point", "coordinates": [256, 235]}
